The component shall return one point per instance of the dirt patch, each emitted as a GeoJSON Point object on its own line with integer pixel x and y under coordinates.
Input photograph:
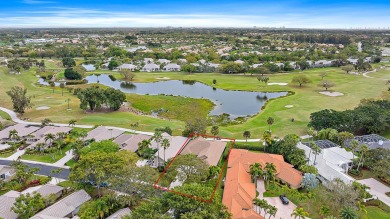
{"type": "Point", "coordinates": [163, 78]}
{"type": "Point", "coordinates": [332, 94]}
{"type": "Point", "coordinates": [43, 108]}
{"type": "Point", "coordinates": [278, 83]}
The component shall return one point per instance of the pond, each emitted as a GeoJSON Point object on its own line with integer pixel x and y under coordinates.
{"type": "Point", "coordinates": [234, 103]}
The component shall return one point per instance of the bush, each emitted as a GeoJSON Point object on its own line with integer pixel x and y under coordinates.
{"type": "Point", "coordinates": [112, 77]}
{"type": "Point", "coordinates": [249, 147]}
{"type": "Point", "coordinates": [75, 82]}
{"type": "Point", "coordinates": [72, 74]}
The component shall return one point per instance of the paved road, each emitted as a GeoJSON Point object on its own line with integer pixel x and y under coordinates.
{"type": "Point", "coordinates": [378, 189]}
{"type": "Point", "coordinates": [44, 169]}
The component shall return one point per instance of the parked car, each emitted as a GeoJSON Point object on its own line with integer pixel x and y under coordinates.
{"type": "Point", "coordinates": [284, 199]}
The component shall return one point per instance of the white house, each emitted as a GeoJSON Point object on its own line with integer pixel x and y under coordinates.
{"type": "Point", "coordinates": [331, 162]}
{"type": "Point", "coordinates": [172, 67]}
{"type": "Point", "coordinates": [130, 67]}
{"type": "Point", "coordinates": [151, 67]}
{"type": "Point", "coordinates": [257, 65]}
{"type": "Point", "coordinates": [322, 64]}
{"type": "Point", "coordinates": [148, 60]}
{"type": "Point", "coordinates": [6, 172]}
{"type": "Point", "coordinates": [164, 61]}
{"type": "Point", "coordinates": [239, 62]}
{"type": "Point", "coordinates": [353, 61]}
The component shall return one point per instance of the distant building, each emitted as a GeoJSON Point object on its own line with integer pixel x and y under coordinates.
{"type": "Point", "coordinates": [172, 67]}
{"type": "Point", "coordinates": [89, 67]}
{"type": "Point", "coordinates": [130, 67]}
{"type": "Point", "coordinates": [164, 61]}
{"type": "Point", "coordinates": [372, 141]}
{"type": "Point", "coordinates": [151, 67]}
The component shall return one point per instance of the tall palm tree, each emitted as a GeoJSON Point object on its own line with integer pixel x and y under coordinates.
{"type": "Point", "coordinates": [60, 140]}
{"type": "Point", "coordinates": [267, 137]}
{"type": "Point", "coordinates": [270, 121]}
{"type": "Point", "coordinates": [13, 135]}
{"type": "Point", "coordinates": [348, 213]}
{"type": "Point", "coordinates": [256, 170]}
{"type": "Point", "coordinates": [316, 151]}
{"type": "Point", "coordinates": [72, 122]}
{"type": "Point", "coordinates": [270, 171]}
{"type": "Point", "coordinates": [246, 135]}
{"type": "Point", "coordinates": [299, 213]}
{"type": "Point", "coordinates": [363, 151]}
{"type": "Point", "coordinates": [272, 211]}
{"type": "Point", "coordinates": [49, 137]}
{"type": "Point", "coordinates": [157, 137]}
{"type": "Point", "coordinates": [165, 144]}
{"type": "Point", "coordinates": [354, 145]}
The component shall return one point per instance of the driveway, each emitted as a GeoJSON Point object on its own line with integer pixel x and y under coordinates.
{"type": "Point", "coordinates": [378, 189]}
{"type": "Point", "coordinates": [284, 211]}
{"type": "Point", "coordinates": [44, 169]}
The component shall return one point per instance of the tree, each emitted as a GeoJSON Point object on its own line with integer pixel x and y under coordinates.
{"type": "Point", "coordinates": [348, 68]}
{"type": "Point", "coordinates": [52, 85]}
{"type": "Point", "coordinates": [152, 210]}
{"type": "Point", "coordinates": [256, 171]}
{"type": "Point", "coordinates": [23, 172]}
{"type": "Point", "coordinates": [323, 75]}
{"type": "Point", "coordinates": [363, 149]}
{"type": "Point", "coordinates": [326, 84]}
{"type": "Point", "coordinates": [310, 181]}
{"type": "Point", "coordinates": [348, 213]}
{"type": "Point", "coordinates": [308, 169]}
{"type": "Point", "coordinates": [301, 80]}
{"type": "Point", "coordinates": [270, 121]}
{"type": "Point", "coordinates": [45, 122]}
{"type": "Point", "coordinates": [68, 62]}
{"type": "Point", "coordinates": [196, 125]}
{"type": "Point", "coordinates": [106, 146]}
{"type": "Point", "coordinates": [114, 98]}
{"type": "Point", "coordinates": [113, 64]}
{"type": "Point", "coordinates": [270, 171]}
{"type": "Point", "coordinates": [165, 144]}
{"type": "Point", "coordinates": [189, 168]}
{"type": "Point", "coordinates": [49, 137]}
{"type": "Point", "coordinates": [62, 86]}
{"type": "Point", "coordinates": [19, 99]}
{"type": "Point", "coordinates": [299, 213]}
{"type": "Point", "coordinates": [316, 151]}
{"type": "Point", "coordinates": [72, 122]}
{"type": "Point", "coordinates": [214, 130]}
{"type": "Point", "coordinates": [267, 137]}
{"type": "Point", "coordinates": [72, 74]}
{"type": "Point", "coordinates": [189, 68]}
{"type": "Point", "coordinates": [28, 205]}
{"type": "Point", "coordinates": [246, 135]}
{"type": "Point", "coordinates": [127, 74]}
{"type": "Point", "coordinates": [144, 149]}
{"type": "Point", "coordinates": [382, 168]}
{"type": "Point", "coordinates": [157, 137]}
{"type": "Point", "coordinates": [13, 135]}
{"type": "Point", "coordinates": [56, 172]}
{"type": "Point", "coordinates": [354, 144]}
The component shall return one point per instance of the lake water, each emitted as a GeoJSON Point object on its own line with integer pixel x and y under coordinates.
{"type": "Point", "coordinates": [234, 103]}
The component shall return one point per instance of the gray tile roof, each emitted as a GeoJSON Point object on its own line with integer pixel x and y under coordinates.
{"type": "Point", "coordinates": [6, 202]}
{"type": "Point", "coordinates": [23, 130]}
{"type": "Point", "coordinates": [65, 206]}
{"type": "Point", "coordinates": [120, 213]}
{"type": "Point", "coordinates": [102, 133]}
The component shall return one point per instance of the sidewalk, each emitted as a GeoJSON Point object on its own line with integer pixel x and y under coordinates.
{"type": "Point", "coordinates": [62, 161]}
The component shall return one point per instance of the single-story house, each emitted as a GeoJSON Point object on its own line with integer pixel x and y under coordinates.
{"type": "Point", "coordinates": [130, 67]}
{"type": "Point", "coordinates": [372, 141]}
{"type": "Point", "coordinates": [102, 133]}
{"type": "Point", "coordinates": [208, 151]}
{"type": "Point", "coordinates": [120, 213]}
{"type": "Point", "coordinates": [6, 172]}
{"type": "Point", "coordinates": [176, 143]}
{"type": "Point", "coordinates": [352, 61]}
{"type": "Point", "coordinates": [182, 61]}
{"type": "Point", "coordinates": [239, 62]}
{"type": "Point", "coordinates": [66, 207]}
{"type": "Point", "coordinates": [172, 67]}
{"type": "Point", "coordinates": [89, 67]}
{"type": "Point", "coordinates": [7, 201]}
{"type": "Point", "coordinates": [45, 190]}
{"type": "Point", "coordinates": [41, 133]}
{"type": "Point", "coordinates": [213, 65]}
{"type": "Point", "coordinates": [195, 64]}
{"type": "Point", "coordinates": [202, 61]}
{"type": "Point", "coordinates": [322, 64]}
{"type": "Point", "coordinates": [332, 162]}
{"type": "Point", "coordinates": [257, 65]}
{"type": "Point", "coordinates": [130, 142]}
{"type": "Point", "coordinates": [22, 129]}
{"type": "Point", "coordinates": [151, 67]}
{"type": "Point", "coordinates": [148, 60]}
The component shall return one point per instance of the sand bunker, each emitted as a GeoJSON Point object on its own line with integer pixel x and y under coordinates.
{"type": "Point", "coordinates": [282, 84]}
{"type": "Point", "coordinates": [289, 106]}
{"type": "Point", "coordinates": [43, 108]}
{"type": "Point", "coordinates": [163, 78]}
{"type": "Point", "coordinates": [332, 94]}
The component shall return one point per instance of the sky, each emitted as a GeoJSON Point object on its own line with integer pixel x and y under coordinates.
{"type": "Point", "coordinates": [197, 13]}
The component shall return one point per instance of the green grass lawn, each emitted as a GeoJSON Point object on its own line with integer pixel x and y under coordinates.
{"type": "Point", "coordinates": [70, 163]}
{"type": "Point", "coordinates": [305, 100]}
{"type": "Point", "coordinates": [5, 155]}
{"type": "Point", "coordinates": [46, 158]}
{"type": "Point", "coordinates": [4, 115]}
{"type": "Point", "coordinates": [375, 213]}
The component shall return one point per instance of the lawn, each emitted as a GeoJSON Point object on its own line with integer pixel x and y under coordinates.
{"type": "Point", "coordinates": [375, 213]}
{"type": "Point", "coordinates": [4, 115]}
{"type": "Point", "coordinates": [70, 163]}
{"type": "Point", "coordinates": [305, 100]}
{"type": "Point", "coordinates": [5, 155]}
{"type": "Point", "coordinates": [46, 158]}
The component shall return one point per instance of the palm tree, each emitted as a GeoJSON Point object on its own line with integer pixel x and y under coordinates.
{"type": "Point", "coordinates": [165, 144]}
{"type": "Point", "coordinates": [62, 86]}
{"type": "Point", "coordinates": [324, 211]}
{"type": "Point", "coordinates": [60, 140]}
{"type": "Point", "coordinates": [256, 171]}
{"type": "Point", "coordinates": [157, 138]}
{"type": "Point", "coordinates": [299, 213]}
{"type": "Point", "coordinates": [45, 122]}
{"type": "Point", "coordinates": [363, 150]}
{"type": "Point", "coordinates": [316, 151]}
{"type": "Point", "coordinates": [49, 137]}
{"type": "Point", "coordinates": [72, 122]}
{"type": "Point", "coordinates": [39, 147]}
{"type": "Point", "coordinates": [267, 137]}
{"type": "Point", "coordinates": [272, 211]}
{"type": "Point", "coordinates": [270, 171]}
{"type": "Point", "coordinates": [270, 121]}
{"type": "Point", "coordinates": [354, 145]}
{"type": "Point", "coordinates": [348, 213]}
{"type": "Point", "coordinates": [246, 135]}
{"type": "Point", "coordinates": [13, 135]}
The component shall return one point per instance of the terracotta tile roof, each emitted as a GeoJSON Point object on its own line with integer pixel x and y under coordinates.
{"type": "Point", "coordinates": [239, 190]}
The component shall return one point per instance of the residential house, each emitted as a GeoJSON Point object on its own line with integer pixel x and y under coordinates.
{"type": "Point", "coordinates": [164, 61]}
{"type": "Point", "coordinates": [151, 67]}
{"type": "Point", "coordinates": [130, 142]}
{"type": "Point", "coordinates": [322, 64]}
{"type": "Point", "coordinates": [102, 133]}
{"type": "Point", "coordinates": [89, 67]}
{"type": "Point", "coordinates": [176, 143]}
{"type": "Point", "coordinates": [352, 61]}
{"type": "Point", "coordinates": [120, 213]}
{"type": "Point", "coordinates": [208, 151]}
{"type": "Point", "coordinates": [239, 62]}
{"type": "Point", "coordinates": [372, 141]}
{"type": "Point", "coordinates": [332, 162]}
{"type": "Point", "coordinates": [257, 65]}
{"type": "Point", "coordinates": [183, 61]}
{"type": "Point", "coordinates": [22, 129]}
{"type": "Point", "coordinates": [130, 67]}
{"type": "Point", "coordinates": [148, 60]}
{"type": "Point", "coordinates": [41, 133]}
{"type": "Point", "coordinates": [172, 67]}
{"type": "Point", "coordinates": [66, 207]}
{"type": "Point", "coordinates": [6, 172]}
{"type": "Point", "coordinates": [6, 202]}
{"type": "Point", "coordinates": [213, 65]}
{"type": "Point", "coordinates": [45, 190]}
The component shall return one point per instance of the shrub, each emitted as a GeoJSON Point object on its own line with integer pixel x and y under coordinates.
{"type": "Point", "coordinates": [249, 147]}
{"type": "Point", "coordinates": [72, 74]}
{"type": "Point", "coordinates": [75, 82]}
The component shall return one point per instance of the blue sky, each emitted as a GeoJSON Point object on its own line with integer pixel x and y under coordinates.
{"type": "Point", "coordinates": [200, 13]}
